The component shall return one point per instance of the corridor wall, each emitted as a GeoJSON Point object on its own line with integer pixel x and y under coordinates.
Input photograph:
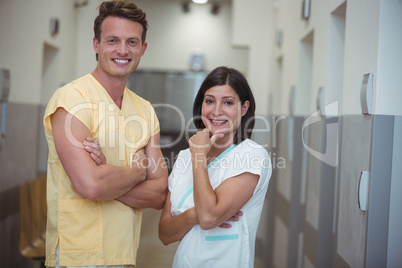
{"type": "Point", "coordinates": [38, 62]}
{"type": "Point", "coordinates": [41, 61]}
{"type": "Point", "coordinates": [316, 214]}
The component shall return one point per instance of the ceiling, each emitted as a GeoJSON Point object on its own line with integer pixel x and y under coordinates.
{"type": "Point", "coordinates": [209, 1]}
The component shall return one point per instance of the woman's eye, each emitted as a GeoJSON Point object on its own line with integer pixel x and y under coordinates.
{"type": "Point", "coordinates": [208, 101]}
{"type": "Point", "coordinates": [228, 103]}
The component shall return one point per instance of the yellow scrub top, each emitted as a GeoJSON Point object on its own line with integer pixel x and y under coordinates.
{"type": "Point", "coordinates": [92, 232]}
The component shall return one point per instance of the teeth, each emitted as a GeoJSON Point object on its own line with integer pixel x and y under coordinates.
{"type": "Point", "coordinates": [218, 122]}
{"type": "Point", "coordinates": [121, 61]}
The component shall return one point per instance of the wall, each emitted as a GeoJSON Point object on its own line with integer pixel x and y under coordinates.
{"type": "Point", "coordinates": [368, 24]}
{"type": "Point", "coordinates": [252, 28]}
{"type": "Point", "coordinates": [341, 41]}
{"type": "Point", "coordinates": [30, 53]}
{"type": "Point", "coordinates": [313, 218]}
{"type": "Point", "coordinates": [362, 31]}
{"type": "Point", "coordinates": [388, 89]}
{"type": "Point", "coordinates": [38, 63]}
{"type": "Point", "coordinates": [172, 37]}
{"type": "Point", "coordinates": [23, 49]}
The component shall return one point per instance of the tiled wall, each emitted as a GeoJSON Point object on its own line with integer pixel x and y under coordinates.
{"type": "Point", "coordinates": [307, 200]}
{"type": "Point", "coordinates": [19, 161]}
{"type": "Point", "coordinates": [317, 221]}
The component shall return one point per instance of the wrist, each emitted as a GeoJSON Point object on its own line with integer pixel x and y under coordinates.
{"type": "Point", "coordinates": [138, 173]}
{"type": "Point", "coordinates": [199, 160]}
{"type": "Point", "coordinates": [192, 215]}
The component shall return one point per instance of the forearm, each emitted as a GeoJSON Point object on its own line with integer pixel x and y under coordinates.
{"type": "Point", "coordinates": [103, 182]}
{"type": "Point", "coordinates": [174, 228]}
{"type": "Point", "coordinates": [147, 194]}
{"type": "Point", "coordinates": [205, 198]}
{"type": "Point", "coordinates": [107, 182]}
{"type": "Point", "coordinates": [151, 193]}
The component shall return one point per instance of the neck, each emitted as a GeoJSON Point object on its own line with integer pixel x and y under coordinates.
{"type": "Point", "coordinates": [217, 149]}
{"type": "Point", "coordinates": [225, 141]}
{"type": "Point", "coordinates": [113, 85]}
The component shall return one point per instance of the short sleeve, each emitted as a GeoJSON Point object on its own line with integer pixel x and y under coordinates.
{"type": "Point", "coordinates": [249, 158]}
{"type": "Point", "coordinates": [155, 128]}
{"type": "Point", "coordinates": [251, 161]}
{"type": "Point", "coordinates": [73, 102]}
{"type": "Point", "coordinates": [181, 169]}
{"type": "Point", "coordinates": [171, 179]}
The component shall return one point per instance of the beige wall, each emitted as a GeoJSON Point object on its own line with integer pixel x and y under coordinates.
{"type": "Point", "coordinates": [252, 28]}
{"type": "Point", "coordinates": [242, 35]}
{"type": "Point", "coordinates": [172, 37]}
{"type": "Point", "coordinates": [388, 85]}
{"type": "Point", "coordinates": [24, 26]}
{"type": "Point", "coordinates": [370, 44]}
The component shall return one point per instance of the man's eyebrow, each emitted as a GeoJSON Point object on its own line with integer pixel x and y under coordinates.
{"type": "Point", "coordinates": [116, 37]}
{"type": "Point", "coordinates": [110, 37]}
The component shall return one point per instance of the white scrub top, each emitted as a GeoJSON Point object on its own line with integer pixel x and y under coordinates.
{"type": "Point", "coordinates": [220, 247]}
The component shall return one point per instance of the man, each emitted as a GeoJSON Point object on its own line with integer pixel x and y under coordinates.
{"type": "Point", "coordinates": [95, 211]}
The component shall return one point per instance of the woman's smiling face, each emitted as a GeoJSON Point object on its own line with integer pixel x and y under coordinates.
{"type": "Point", "coordinates": [222, 110]}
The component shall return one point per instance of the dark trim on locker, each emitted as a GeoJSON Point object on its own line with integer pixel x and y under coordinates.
{"type": "Point", "coordinates": [394, 256]}
{"type": "Point", "coordinates": [270, 205]}
{"type": "Point", "coordinates": [327, 203]}
{"type": "Point", "coordinates": [339, 262]}
{"type": "Point", "coordinates": [282, 208]}
{"type": "Point", "coordinates": [379, 191]}
{"type": "Point", "coordinates": [296, 209]}
{"type": "Point", "coordinates": [310, 243]}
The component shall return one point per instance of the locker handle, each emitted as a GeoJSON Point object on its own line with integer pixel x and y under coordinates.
{"type": "Point", "coordinates": [363, 191]}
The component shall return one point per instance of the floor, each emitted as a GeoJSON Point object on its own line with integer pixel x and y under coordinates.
{"type": "Point", "coordinates": [152, 253]}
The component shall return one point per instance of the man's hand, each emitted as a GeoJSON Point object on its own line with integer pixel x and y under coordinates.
{"type": "Point", "coordinates": [151, 193]}
{"type": "Point", "coordinates": [140, 161]}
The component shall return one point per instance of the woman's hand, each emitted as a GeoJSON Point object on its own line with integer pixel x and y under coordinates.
{"type": "Point", "coordinates": [201, 142]}
{"type": "Point", "coordinates": [93, 148]}
{"type": "Point", "coordinates": [235, 217]}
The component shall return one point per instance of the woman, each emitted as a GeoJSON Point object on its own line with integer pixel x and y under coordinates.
{"type": "Point", "coordinates": [217, 187]}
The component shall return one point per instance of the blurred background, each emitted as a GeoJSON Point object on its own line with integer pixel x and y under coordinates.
{"type": "Point", "coordinates": [325, 78]}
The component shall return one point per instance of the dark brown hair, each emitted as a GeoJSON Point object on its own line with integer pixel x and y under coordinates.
{"type": "Point", "coordinates": [227, 76]}
{"type": "Point", "coordinates": [122, 9]}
